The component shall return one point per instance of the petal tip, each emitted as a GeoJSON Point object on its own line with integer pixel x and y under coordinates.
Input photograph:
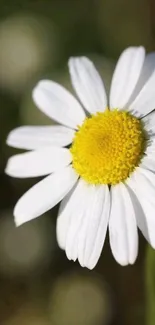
{"type": "Point", "coordinates": [19, 218]}
{"type": "Point", "coordinates": [133, 260]}
{"type": "Point", "coordinates": [17, 223]}
{"type": "Point", "coordinates": [90, 266]}
{"type": "Point", "coordinates": [34, 92]}
{"type": "Point", "coordinates": [123, 263]}
{"type": "Point", "coordinates": [8, 139]}
{"type": "Point", "coordinates": [8, 170]}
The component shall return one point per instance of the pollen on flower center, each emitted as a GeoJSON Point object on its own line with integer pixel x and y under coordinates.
{"type": "Point", "coordinates": [107, 147]}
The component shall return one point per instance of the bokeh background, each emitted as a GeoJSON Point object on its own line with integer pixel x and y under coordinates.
{"type": "Point", "coordinates": [38, 285]}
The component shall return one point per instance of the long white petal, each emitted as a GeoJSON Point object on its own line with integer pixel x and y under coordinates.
{"type": "Point", "coordinates": [35, 137]}
{"type": "Point", "coordinates": [144, 102]}
{"type": "Point", "coordinates": [63, 220]}
{"type": "Point", "coordinates": [126, 75]}
{"type": "Point", "coordinates": [142, 185]}
{"type": "Point", "coordinates": [88, 84]}
{"type": "Point", "coordinates": [145, 182]}
{"type": "Point", "coordinates": [122, 226]}
{"type": "Point", "coordinates": [76, 234]}
{"type": "Point", "coordinates": [44, 195]}
{"type": "Point", "coordinates": [38, 163]}
{"type": "Point", "coordinates": [68, 206]}
{"type": "Point", "coordinates": [100, 230]}
{"type": "Point", "coordinates": [150, 147]}
{"type": "Point", "coordinates": [146, 72]}
{"type": "Point", "coordinates": [56, 102]}
{"type": "Point", "coordinates": [71, 207]}
{"type": "Point", "coordinates": [149, 123]}
{"type": "Point", "coordinates": [93, 229]}
{"type": "Point", "coordinates": [77, 220]}
{"type": "Point", "coordinates": [83, 216]}
{"type": "Point", "coordinates": [148, 162]}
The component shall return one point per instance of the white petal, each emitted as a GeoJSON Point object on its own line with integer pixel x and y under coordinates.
{"type": "Point", "coordinates": [142, 183]}
{"type": "Point", "coordinates": [62, 228]}
{"type": "Point", "coordinates": [126, 75]}
{"type": "Point", "coordinates": [38, 163]}
{"type": "Point", "coordinates": [35, 137]}
{"type": "Point", "coordinates": [99, 231]}
{"type": "Point", "coordinates": [147, 71]}
{"type": "Point", "coordinates": [84, 213]}
{"type": "Point", "coordinates": [93, 229]}
{"type": "Point", "coordinates": [148, 162]}
{"type": "Point", "coordinates": [76, 237]}
{"type": "Point", "coordinates": [88, 84]}
{"type": "Point", "coordinates": [145, 183]}
{"type": "Point", "coordinates": [149, 123]}
{"type": "Point", "coordinates": [122, 226]}
{"type": "Point", "coordinates": [150, 147]}
{"type": "Point", "coordinates": [56, 102]}
{"type": "Point", "coordinates": [67, 207]}
{"type": "Point", "coordinates": [70, 207]}
{"type": "Point", "coordinates": [44, 195]}
{"type": "Point", "coordinates": [144, 102]}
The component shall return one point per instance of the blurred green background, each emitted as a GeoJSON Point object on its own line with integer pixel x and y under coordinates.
{"type": "Point", "coordinates": [38, 285]}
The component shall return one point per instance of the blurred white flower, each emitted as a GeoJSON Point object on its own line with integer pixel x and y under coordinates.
{"type": "Point", "coordinates": [27, 44]}
{"type": "Point", "coordinates": [25, 249]}
{"type": "Point", "coordinates": [106, 178]}
{"type": "Point", "coordinates": [80, 299]}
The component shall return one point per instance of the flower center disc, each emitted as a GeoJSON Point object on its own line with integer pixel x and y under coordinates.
{"type": "Point", "coordinates": [107, 147]}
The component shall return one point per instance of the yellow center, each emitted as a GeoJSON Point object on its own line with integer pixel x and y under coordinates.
{"type": "Point", "coordinates": [107, 147]}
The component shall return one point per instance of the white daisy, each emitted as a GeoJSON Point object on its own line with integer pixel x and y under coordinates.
{"type": "Point", "coordinates": [106, 178]}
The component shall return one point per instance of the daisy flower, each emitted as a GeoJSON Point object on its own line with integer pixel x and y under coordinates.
{"type": "Point", "coordinates": [100, 160]}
